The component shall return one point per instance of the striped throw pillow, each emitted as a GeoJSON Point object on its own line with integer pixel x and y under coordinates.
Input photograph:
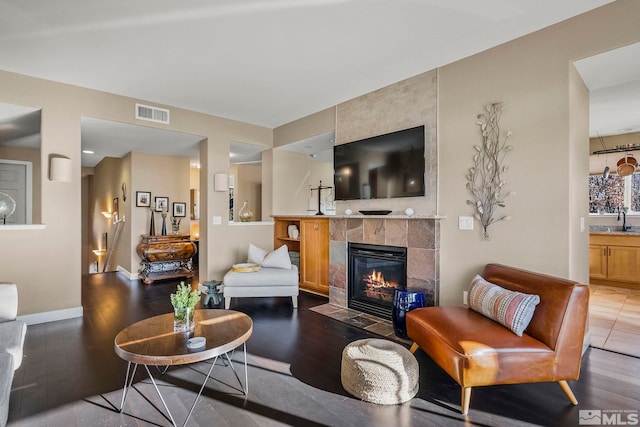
{"type": "Point", "coordinates": [513, 310]}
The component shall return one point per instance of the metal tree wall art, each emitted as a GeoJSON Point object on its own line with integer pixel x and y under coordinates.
{"type": "Point", "coordinates": [484, 179]}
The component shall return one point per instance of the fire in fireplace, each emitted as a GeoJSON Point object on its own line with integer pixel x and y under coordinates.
{"type": "Point", "coordinates": [375, 272]}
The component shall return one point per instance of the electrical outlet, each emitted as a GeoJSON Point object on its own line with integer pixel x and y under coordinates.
{"type": "Point", "coordinates": [465, 298]}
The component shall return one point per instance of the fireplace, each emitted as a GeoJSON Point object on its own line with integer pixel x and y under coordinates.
{"type": "Point", "coordinates": [375, 271]}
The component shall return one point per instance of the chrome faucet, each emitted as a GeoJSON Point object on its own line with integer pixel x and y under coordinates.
{"type": "Point", "coordinates": [625, 227]}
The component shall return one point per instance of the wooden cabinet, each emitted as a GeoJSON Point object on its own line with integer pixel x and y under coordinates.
{"type": "Point", "coordinates": [313, 246]}
{"type": "Point", "coordinates": [597, 262]}
{"type": "Point", "coordinates": [165, 257]}
{"type": "Point", "coordinates": [615, 260]}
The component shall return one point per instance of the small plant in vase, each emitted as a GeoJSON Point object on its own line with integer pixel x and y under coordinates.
{"type": "Point", "coordinates": [184, 302]}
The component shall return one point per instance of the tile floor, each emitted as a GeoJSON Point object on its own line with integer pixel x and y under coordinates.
{"type": "Point", "coordinates": [614, 319]}
{"type": "Point", "coordinates": [360, 320]}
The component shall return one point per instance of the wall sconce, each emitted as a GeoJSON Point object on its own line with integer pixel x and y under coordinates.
{"type": "Point", "coordinates": [59, 169]}
{"type": "Point", "coordinates": [221, 182]}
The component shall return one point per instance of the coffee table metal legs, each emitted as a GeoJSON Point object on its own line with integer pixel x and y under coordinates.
{"type": "Point", "coordinates": [132, 372]}
{"type": "Point", "coordinates": [127, 382]}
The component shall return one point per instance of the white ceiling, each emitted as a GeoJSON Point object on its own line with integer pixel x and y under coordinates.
{"type": "Point", "coordinates": [266, 62]}
{"type": "Point", "coordinates": [613, 79]}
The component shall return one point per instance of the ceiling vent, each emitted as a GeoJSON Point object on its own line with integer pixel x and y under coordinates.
{"type": "Point", "coordinates": [152, 114]}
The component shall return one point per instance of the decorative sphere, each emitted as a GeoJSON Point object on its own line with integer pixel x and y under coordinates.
{"type": "Point", "coordinates": [408, 211]}
{"type": "Point", "coordinates": [348, 212]}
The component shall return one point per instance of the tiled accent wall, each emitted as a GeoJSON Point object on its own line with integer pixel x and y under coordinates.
{"type": "Point", "coordinates": [402, 105]}
{"type": "Point", "coordinates": [421, 237]}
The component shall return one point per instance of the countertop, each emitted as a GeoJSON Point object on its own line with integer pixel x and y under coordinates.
{"type": "Point", "coordinates": [614, 233]}
{"type": "Point", "coordinates": [612, 230]}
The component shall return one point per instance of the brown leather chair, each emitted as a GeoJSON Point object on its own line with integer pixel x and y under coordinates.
{"type": "Point", "coordinates": [476, 351]}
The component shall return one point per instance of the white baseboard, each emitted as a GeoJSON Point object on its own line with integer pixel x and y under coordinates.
{"type": "Point", "coordinates": [51, 316]}
{"type": "Point", "coordinates": [125, 272]}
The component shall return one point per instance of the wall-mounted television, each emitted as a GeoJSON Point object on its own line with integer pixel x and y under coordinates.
{"type": "Point", "coordinates": [380, 167]}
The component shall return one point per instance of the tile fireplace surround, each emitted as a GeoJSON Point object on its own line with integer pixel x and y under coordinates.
{"type": "Point", "coordinates": [420, 235]}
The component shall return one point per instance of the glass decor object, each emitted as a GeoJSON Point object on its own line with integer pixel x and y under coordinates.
{"type": "Point", "coordinates": [183, 319]}
{"type": "Point", "coordinates": [7, 206]}
{"type": "Point", "coordinates": [405, 300]}
{"type": "Point", "coordinates": [245, 213]}
{"type": "Point", "coordinates": [184, 302]}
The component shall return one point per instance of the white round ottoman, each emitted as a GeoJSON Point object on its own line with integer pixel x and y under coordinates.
{"type": "Point", "coordinates": [379, 371]}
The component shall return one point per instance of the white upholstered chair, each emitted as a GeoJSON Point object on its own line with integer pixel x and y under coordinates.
{"type": "Point", "coordinates": [277, 277]}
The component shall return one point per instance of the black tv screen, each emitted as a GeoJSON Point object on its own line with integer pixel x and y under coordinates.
{"type": "Point", "coordinates": [381, 167]}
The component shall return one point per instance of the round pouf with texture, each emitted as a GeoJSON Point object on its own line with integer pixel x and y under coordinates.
{"type": "Point", "coordinates": [379, 371]}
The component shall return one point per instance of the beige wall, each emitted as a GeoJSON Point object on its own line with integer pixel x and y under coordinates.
{"type": "Point", "coordinates": [56, 250]}
{"type": "Point", "coordinates": [312, 125]}
{"type": "Point", "coordinates": [531, 75]}
{"type": "Point", "coordinates": [578, 172]}
{"type": "Point", "coordinates": [107, 179]}
{"type": "Point", "coordinates": [248, 186]}
{"type": "Point", "coordinates": [535, 79]}
{"type": "Point", "coordinates": [163, 176]}
{"type": "Point", "coordinates": [294, 173]}
{"type": "Point", "coordinates": [408, 103]}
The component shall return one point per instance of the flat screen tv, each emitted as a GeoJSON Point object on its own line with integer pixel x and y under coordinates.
{"type": "Point", "coordinates": [381, 167]}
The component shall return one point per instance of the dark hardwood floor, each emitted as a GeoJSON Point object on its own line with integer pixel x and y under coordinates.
{"type": "Point", "coordinates": [72, 377]}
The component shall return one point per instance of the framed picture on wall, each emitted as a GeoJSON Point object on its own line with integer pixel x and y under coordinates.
{"type": "Point", "coordinates": [179, 209]}
{"type": "Point", "coordinates": [143, 199]}
{"type": "Point", "coordinates": [162, 204]}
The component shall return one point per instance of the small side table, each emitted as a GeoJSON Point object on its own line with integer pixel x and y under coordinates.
{"type": "Point", "coordinates": [213, 291]}
{"type": "Point", "coordinates": [405, 300]}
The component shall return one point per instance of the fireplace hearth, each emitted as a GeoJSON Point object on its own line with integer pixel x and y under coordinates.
{"type": "Point", "coordinates": [375, 272]}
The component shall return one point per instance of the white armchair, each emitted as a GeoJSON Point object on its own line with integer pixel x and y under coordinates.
{"type": "Point", "coordinates": [12, 334]}
{"type": "Point", "coordinates": [277, 277]}
{"type": "Point", "coordinates": [12, 331]}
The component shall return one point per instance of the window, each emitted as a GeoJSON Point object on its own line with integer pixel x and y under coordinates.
{"type": "Point", "coordinates": [608, 195]}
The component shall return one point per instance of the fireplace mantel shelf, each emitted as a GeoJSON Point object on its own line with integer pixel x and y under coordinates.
{"type": "Point", "coordinates": [390, 216]}
{"type": "Point", "coordinates": [359, 216]}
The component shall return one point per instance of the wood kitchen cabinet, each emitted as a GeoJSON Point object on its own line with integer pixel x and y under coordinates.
{"type": "Point", "coordinates": [614, 259]}
{"type": "Point", "coordinates": [312, 244]}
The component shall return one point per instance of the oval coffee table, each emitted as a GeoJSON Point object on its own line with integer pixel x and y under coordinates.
{"type": "Point", "coordinates": [153, 342]}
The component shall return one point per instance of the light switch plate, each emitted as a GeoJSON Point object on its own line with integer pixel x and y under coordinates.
{"type": "Point", "coordinates": [465, 223]}
{"type": "Point", "coordinates": [217, 220]}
